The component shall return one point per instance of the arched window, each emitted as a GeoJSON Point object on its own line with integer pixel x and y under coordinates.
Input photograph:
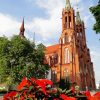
{"type": "Point", "coordinates": [55, 58]}
{"type": "Point", "coordinates": [66, 26]}
{"type": "Point", "coordinates": [52, 60]}
{"type": "Point", "coordinates": [70, 24]}
{"type": "Point", "coordinates": [67, 55]}
{"type": "Point", "coordinates": [49, 60]}
{"type": "Point", "coordinates": [60, 41]}
{"type": "Point", "coordinates": [67, 38]}
{"type": "Point", "coordinates": [63, 40]}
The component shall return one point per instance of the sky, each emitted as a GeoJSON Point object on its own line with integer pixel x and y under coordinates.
{"type": "Point", "coordinates": [44, 18]}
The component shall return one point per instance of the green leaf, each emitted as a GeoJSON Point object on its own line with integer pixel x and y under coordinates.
{"type": "Point", "coordinates": [30, 88]}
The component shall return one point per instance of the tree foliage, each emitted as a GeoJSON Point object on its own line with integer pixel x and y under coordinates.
{"type": "Point", "coordinates": [96, 13]}
{"type": "Point", "coordinates": [4, 58]}
{"type": "Point", "coordinates": [20, 58]}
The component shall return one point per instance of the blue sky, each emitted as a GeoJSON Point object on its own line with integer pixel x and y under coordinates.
{"type": "Point", "coordinates": [44, 18]}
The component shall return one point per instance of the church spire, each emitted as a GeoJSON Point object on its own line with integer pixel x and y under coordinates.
{"type": "Point", "coordinates": [68, 5]}
{"type": "Point", "coordinates": [22, 29]}
{"type": "Point", "coordinates": [78, 19]}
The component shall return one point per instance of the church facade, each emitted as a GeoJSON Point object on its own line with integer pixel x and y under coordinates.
{"type": "Point", "coordinates": [70, 58]}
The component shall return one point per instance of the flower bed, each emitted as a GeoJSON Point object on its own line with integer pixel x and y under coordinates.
{"type": "Point", "coordinates": [41, 89]}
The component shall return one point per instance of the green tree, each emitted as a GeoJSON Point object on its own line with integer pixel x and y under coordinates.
{"type": "Point", "coordinates": [40, 57]}
{"type": "Point", "coordinates": [21, 51]}
{"type": "Point", "coordinates": [23, 59]}
{"type": "Point", "coordinates": [96, 13]}
{"type": "Point", "coordinates": [4, 58]}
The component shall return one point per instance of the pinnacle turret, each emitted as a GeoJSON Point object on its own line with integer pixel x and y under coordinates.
{"type": "Point", "coordinates": [68, 5]}
{"type": "Point", "coordinates": [78, 19]}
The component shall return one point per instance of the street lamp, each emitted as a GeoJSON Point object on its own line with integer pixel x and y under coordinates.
{"type": "Point", "coordinates": [27, 65]}
{"type": "Point", "coordinates": [11, 62]}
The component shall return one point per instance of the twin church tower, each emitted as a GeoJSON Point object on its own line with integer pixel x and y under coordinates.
{"type": "Point", "coordinates": [70, 58]}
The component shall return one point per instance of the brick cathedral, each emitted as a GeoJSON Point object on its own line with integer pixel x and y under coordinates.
{"type": "Point", "coordinates": [70, 58]}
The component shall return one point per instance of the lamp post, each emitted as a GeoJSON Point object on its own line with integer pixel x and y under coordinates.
{"type": "Point", "coordinates": [11, 62]}
{"type": "Point", "coordinates": [11, 74]}
{"type": "Point", "coordinates": [27, 65]}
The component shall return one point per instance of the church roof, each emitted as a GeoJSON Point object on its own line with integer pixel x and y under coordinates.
{"type": "Point", "coordinates": [52, 49]}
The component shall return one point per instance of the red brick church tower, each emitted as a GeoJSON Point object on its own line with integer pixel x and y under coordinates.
{"type": "Point", "coordinates": [70, 58]}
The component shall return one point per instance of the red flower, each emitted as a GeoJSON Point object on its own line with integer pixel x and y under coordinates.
{"type": "Point", "coordinates": [88, 94]}
{"type": "Point", "coordinates": [10, 95]}
{"type": "Point", "coordinates": [42, 85]}
{"type": "Point", "coordinates": [24, 82]}
{"type": "Point", "coordinates": [64, 97]}
{"type": "Point", "coordinates": [46, 81]}
{"type": "Point", "coordinates": [97, 95]}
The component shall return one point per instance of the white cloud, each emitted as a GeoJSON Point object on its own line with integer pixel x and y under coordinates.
{"type": "Point", "coordinates": [48, 27]}
{"type": "Point", "coordinates": [8, 25]}
{"type": "Point", "coordinates": [45, 27]}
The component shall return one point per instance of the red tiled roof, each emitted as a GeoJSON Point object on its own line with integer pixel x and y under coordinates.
{"type": "Point", "coordinates": [51, 49]}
